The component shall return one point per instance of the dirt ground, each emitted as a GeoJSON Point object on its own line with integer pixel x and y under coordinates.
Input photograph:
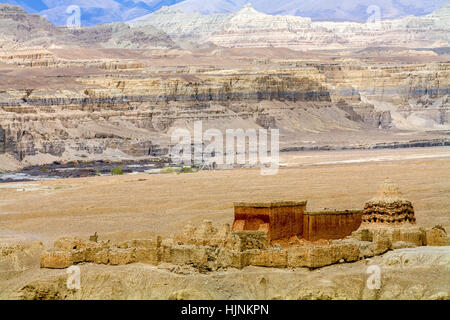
{"type": "Point", "coordinates": [130, 206]}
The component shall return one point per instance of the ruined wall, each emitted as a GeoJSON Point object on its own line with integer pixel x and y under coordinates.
{"type": "Point", "coordinates": [208, 248]}
{"type": "Point", "coordinates": [241, 249]}
{"type": "Point", "coordinates": [251, 241]}
{"type": "Point", "coordinates": [278, 219]}
{"type": "Point", "coordinates": [330, 224]}
{"type": "Point", "coordinates": [282, 220]}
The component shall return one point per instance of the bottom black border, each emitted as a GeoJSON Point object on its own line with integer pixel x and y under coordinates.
{"type": "Point", "coordinates": [231, 309]}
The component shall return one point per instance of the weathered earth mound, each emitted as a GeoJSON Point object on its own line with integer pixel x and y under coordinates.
{"type": "Point", "coordinates": [422, 274]}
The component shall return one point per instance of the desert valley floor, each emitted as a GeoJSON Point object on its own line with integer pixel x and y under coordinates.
{"type": "Point", "coordinates": [131, 206]}
{"type": "Point", "coordinates": [89, 118]}
{"type": "Point", "coordinates": [140, 206]}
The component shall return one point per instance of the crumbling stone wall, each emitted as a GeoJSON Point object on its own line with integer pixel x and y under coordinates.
{"type": "Point", "coordinates": [253, 239]}
{"type": "Point", "coordinates": [237, 249]}
{"type": "Point", "coordinates": [68, 251]}
{"type": "Point", "coordinates": [205, 234]}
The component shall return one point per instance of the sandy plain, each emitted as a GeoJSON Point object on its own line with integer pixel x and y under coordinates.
{"type": "Point", "coordinates": [144, 205]}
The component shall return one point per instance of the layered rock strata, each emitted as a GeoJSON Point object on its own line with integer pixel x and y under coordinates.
{"type": "Point", "coordinates": [60, 104]}
{"type": "Point", "coordinates": [22, 29]}
{"type": "Point", "coordinates": [136, 113]}
{"type": "Point", "coordinates": [249, 28]}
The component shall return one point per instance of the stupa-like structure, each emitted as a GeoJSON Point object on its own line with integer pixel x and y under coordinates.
{"type": "Point", "coordinates": [274, 234]}
{"type": "Point", "coordinates": [388, 207]}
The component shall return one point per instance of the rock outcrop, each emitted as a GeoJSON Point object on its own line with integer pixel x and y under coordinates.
{"type": "Point", "coordinates": [24, 29]}
{"type": "Point", "coordinates": [16, 258]}
{"type": "Point", "coordinates": [135, 113]}
{"type": "Point", "coordinates": [249, 28]}
{"type": "Point", "coordinates": [407, 274]}
{"type": "Point", "coordinates": [104, 102]}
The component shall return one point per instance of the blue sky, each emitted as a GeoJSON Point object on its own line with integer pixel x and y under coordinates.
{"type": "Point", "coordinates": [105, 11]}
{"type": "Point", "coordinates": [93, 11]}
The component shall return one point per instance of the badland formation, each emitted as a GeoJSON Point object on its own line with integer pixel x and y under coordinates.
{"type": "Point", "coordinates": [76, 101]}
{"type": "Point", "coordinates": [117, 91]}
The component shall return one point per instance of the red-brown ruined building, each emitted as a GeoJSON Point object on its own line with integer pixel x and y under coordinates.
{"type": "Point", "coordinates": [284, 219]}
{"type": "Point", "coordinates": [279, 219]}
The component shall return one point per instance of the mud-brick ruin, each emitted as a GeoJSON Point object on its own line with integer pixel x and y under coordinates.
{"type": "Point", "coordinates": [285, 219]}
{"type": "Point", "coordinates": [388, 207]}
{"type": "Point", "coordinates": [267, 234]}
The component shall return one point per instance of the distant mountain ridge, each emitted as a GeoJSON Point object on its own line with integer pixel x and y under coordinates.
{"type": "Point", "coordinates": [171, 27]}
{"type": "Point", "coordinates": [251, 28]}
{"type": "Point", "coordinates": [106, 11]}
{"type": "Point", "coordinates": [20, 29]}
{"type": "Point", "coordinates": [347, 10]}
{"type": "Point", "coordinates": [92, 12]}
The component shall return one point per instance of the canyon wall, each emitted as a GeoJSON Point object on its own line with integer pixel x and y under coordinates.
{"type": "Point", "coordinates": [131, 108]}
{"type": "Point", "coordinates": [118, 91]}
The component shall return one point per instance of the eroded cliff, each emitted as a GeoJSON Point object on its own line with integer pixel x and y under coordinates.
{"type": "Point", "coordinates": [131, 106]}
